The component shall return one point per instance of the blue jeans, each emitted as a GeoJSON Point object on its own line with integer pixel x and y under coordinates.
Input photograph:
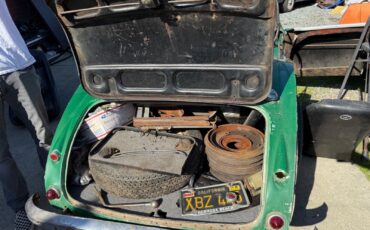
{"type": "Point", "coordinates": [21, 90]}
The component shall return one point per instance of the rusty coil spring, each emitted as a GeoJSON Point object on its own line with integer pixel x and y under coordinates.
{"type": "Point", "coordinates": [234, 151]}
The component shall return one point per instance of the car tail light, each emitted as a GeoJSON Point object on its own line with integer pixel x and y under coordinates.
{"type": "Point", "coordinates": [276, 222]}
{"type": "Point", "coordinates": [54, 156]}
{"type": "Point", "coordinates": [52, 194]}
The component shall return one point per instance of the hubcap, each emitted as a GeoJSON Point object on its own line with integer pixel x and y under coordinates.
{"type": "Point", "coordinates": [290, 3]}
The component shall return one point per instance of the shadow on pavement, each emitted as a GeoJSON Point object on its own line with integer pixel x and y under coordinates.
{"type": "Point", "coordinates": [305, 181]}
{"type": "Point", "coordinates": [306, 175]}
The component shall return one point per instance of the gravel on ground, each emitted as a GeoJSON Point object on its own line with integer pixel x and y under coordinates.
{"type": "Point", "coordinates": [308, 16]}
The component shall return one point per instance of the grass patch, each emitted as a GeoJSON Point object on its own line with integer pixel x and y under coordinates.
{"type": "Point", "coordinates": [362, 163]}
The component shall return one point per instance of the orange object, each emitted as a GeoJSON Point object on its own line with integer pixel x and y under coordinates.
{"type": "Point", "coordinates": [356, 13]}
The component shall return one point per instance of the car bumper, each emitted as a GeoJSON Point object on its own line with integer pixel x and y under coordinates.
{"type": "Point", "coordinates": [55, 221]}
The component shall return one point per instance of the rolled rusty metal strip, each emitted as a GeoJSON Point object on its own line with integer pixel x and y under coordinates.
{"type": "Point", "coordinates": [235, 169]}
{"type": "Point", "coordinates": [245, 162]}
{"type": "Point", "coordinates": [228, 177]}
{"type": "Point", "coordinates": [234, 151]}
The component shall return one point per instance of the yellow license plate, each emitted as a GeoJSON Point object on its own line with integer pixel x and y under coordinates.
{"type": "Point", "coordinates": [219, 198]}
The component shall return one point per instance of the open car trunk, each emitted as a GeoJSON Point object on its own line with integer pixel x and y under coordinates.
{"type": "Point", "coordinates": [176, 138]}
{"type": "Point", "coordinates": [171, 161]}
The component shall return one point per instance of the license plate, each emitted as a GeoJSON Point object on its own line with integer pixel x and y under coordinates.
{"type": "Point", "coordinates": [219, 198]}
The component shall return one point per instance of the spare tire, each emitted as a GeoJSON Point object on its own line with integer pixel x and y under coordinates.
{"type": "Point", "coordinates": [136, 183]}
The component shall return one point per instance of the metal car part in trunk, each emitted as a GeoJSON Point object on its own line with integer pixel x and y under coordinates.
{"type": "Point", "coordinates": [214, 52]}
{"type": "Point", "coordinates": [234, 151]}
{"type": "Point", "coordinates": [153, 176]}
{"type": "Point", "coordinates": [254, 183]}
{"type": "Point", "coordinates": [187, 122]}
{"type": "Point", "coordinates": [150, 151]}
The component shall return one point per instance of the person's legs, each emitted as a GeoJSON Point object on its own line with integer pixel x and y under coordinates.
{"type": "Point", "coordinates": [24, 97]}
{"type": "Point", "coordinates": [14, 186]}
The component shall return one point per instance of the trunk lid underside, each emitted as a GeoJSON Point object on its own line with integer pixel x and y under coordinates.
{"type": "Point", "coordinates": [217, 52]}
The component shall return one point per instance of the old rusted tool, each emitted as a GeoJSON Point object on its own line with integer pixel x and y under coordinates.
{"type": "Point", "coordinates": [153, 204]}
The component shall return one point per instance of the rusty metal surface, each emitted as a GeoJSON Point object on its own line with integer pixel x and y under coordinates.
{"type": "Point", "coordinates": [171, 112]}
{"type": "Point", "coordinates": [254, 183]}
{"type": "Point", "coordinates": [152, 204]}
{"type": "Point", "coordinates": [160, 222]}
{"type": "Point", "coordinates": [130, 6]}
{"type": "Point", "coordinates": [176, 122]}
{"type": "Point", "coordinates": [47, 219]}
{"type": "Point", "coordinates": [322, 71]}
{"type": "Point", "coordinates": [135, 164]}
{"type": "Point", "coordinates": [303, 36]}
{"type": "Point", "coordinates": [145, 150]}
{"type": "Point", "coordinates": [186, 66]}
{"type": "Point", "coordinates": [322, 52]}
{"type": "Point", "coordinates": [234, 151]}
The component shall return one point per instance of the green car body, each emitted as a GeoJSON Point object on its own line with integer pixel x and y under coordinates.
{"type": "Point", "coordinates": [194, 54]}
{"type": "Point", "coordinates": [280, 161]}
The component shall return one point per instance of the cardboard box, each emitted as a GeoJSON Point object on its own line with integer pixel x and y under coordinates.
{"type": "Point", "coordinates": [100, 123]}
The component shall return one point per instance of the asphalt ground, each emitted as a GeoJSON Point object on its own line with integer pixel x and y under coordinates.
{"type": "Point", "coordinates": [330, 195]}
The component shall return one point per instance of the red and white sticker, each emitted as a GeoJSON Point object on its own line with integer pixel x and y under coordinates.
{"type": "Point", "coordinates": [188, 194]}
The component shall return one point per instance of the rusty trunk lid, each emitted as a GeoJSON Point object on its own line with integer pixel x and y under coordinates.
{"type": "Point", "coordinates": [217, 51]}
